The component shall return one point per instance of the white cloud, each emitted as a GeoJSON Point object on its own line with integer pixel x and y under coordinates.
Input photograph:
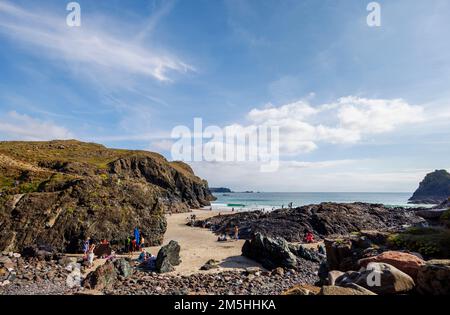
{"type": "Point", "coordinates": [346, 121]}
{"type": "Point", "coordinates": [15, 126]}
{"type": "Point", "coordinates": [95, 48]}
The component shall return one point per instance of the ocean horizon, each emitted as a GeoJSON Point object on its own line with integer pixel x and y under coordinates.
{"type": "Point", "coordinates": [274, 200]}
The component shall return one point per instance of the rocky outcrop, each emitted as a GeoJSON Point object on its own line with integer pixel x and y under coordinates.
{"type": "Point", "coordinates": [379, 278]}
{"type": "Point", "coordinates": [168, 257]}
{"type": "Point", "coordinates": [276, 253]}
{"type": "Point", "coordinates": [102, 278]}
{"type": "Point", "coordinates": [434, 277]}
{"type": "Point", "coordinates": [270, 252]}
{"type": "Point", "coordinates": [323, 220]}
{"type": "Point", "coordinates": [58, 193]}
{"type": "Point", "coordinates": [408, 263]}
{"type": "Point", "coordinates": [434, 189]}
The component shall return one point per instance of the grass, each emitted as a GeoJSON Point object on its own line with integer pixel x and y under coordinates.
{"type": "Point", "coordinates": [94, 154]}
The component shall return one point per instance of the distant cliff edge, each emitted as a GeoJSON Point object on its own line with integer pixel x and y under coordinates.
{"type": "Point", "coordinates": [434, 189]}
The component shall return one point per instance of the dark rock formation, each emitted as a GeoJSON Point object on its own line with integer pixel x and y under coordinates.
{"type": "Point", "coordinates": [168, 256]}
{"type": "Point", "coordinates": [123, 267]}
{"type": "Point", "coordinates": [323, 220]}
{"type": "Point", "coordinates": [58, 193]}
{"type": "Point", "coordinates": [270, 252]}
{"type": "Point", "coordinates": [103, 277]}
{"type": "Point", "coordinates": [434, 189]}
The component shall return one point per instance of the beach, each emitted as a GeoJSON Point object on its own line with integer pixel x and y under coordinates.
{"type": "Point", "coordinates": [199, 245]}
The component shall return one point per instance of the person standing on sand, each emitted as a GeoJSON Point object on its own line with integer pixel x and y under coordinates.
{"type": "Point", "coordinates": [86, 247]}
{"type": "Point", "coordinates": [133, 245]}
{"type": "Point", "coordinates": [236, 232]}
{"type": "Point", "coordinates": [142, 242]}
{"type": "Point", "coordinates": [91, 255]}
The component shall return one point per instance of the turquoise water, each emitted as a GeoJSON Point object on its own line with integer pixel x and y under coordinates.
{"type": "Point", "coordinates": [267, 200]}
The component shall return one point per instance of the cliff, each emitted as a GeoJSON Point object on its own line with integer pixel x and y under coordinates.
{"type": "Point", "coordinates": [434, 189]}
{"type": "Point", "coordinates": [57, 193]}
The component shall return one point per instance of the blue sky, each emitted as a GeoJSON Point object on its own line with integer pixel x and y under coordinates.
{"type": "Point", "coordinates": [361, 108]}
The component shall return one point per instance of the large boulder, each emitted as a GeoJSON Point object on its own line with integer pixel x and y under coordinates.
{"type": "Point", "coordinates": [123, 267]}
{"type": "Point", "coordinates": [101, 278]}
{"type": "Point", "coordinates": [270, 252]}
{"type": "Point", "coordinates": [168, 256]}
{"type": "Point", "coordinates": [339, 254]}
{"type": "Point", "coordinates": [384, 279]}
{"type": "Point", "coordinates": [335, 290]}
{"type": "Point", "coordinates": [434, 277]}
{"type": "Point", "coordinates": [408, 263]}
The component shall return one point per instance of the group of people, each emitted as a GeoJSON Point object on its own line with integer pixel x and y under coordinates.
{"type": "Point", "coordinates": [135, 242]}
{"type": "Point", "coordinates": [223, 237]}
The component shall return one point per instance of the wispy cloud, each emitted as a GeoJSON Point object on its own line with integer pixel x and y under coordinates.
{"type": "Point", "coordinates": [90, 46]}
{"type": "Point", "coordinates": [15, 126]}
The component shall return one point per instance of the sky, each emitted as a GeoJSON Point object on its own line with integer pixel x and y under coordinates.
{"type": "Point", "coordinates": [359, 108]}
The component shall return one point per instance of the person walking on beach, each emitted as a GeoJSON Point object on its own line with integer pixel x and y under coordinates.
{"type": "Point", "coordinates": [133, 245]}
{"type": "Point", "coordinates": [236, 232]}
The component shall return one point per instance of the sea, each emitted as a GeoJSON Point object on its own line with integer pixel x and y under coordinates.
{"type": "Point", "coordinates": [248, 201]}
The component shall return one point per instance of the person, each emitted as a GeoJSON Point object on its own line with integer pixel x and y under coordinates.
{"type": "Point", "coordinates": [91, 255]}
{"type": "Point", "coordinates": [143, 256]}
{"type": "Point", "coordinates": [105, 242]}
{"type": "Point", "coordinates": [232, 209]}
{"type": "Point", "coordinates": [236, 232]}
{"type": "Point", "coordinates": [86, 247]}
{"type": "Point", "coordinates": [321, 249]}
{"type": "Point", "coordinates": [133, 245]}
{"type": "Point", "coordinates": [309, 237]}
{"type": "Point", "coordinates": [136, 235]}
{"type": "Point", "coordinates": [222, 238]}
{"type": "Point", "coordinates": [128, 244]}
{"type": "Point", "coordinates": [142, 242]}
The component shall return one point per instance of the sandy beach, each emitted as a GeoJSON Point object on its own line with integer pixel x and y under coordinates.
{"type": "Point", "coordinates": [198, 245]}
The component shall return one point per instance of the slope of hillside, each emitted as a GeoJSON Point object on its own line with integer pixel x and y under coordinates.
{"type": "Point", "coordinates": [59, 192]}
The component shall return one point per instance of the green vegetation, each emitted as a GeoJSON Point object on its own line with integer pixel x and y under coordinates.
{"type": "Point", "coordinates": [430, 242]}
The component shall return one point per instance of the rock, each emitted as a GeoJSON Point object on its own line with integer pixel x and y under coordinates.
{"type": "Point", "coordinates": [210, 264]}
{"type": "Point", "coordinates": [434, 189]}
{"type": "Point", "coordinates": [302, 290]}
{"type": "Point", "coordinates": [335, 290]}
{"type": "Point", "coordinates": [85, 189]}
{"type": "Point", "coordinates": [305, 253]}
{"type": "Point", "coordinates": [270, 252]}
{"type": "Point", "coordinates": [333, 275]}
{"type": "Point", "coordinates": [168, 256]}
{"type": "Point", "coordinates": [103, 277]}
{"type": "Point", "coordinates": [339, 254]}
{"type": "Point", "coordinates": [123, 267]}
{"type": "Point", "coordinates": [278, 271]}
{"type": "Point", "coordinates": [323, 220]}
{"type": "Point", "coordinates": [434, 277]}
{"type": "Point", "coordinates": [383, 279]}
{"type": "Point", "coordinates": [65, 260]}
{"type": "Point", "coordinates": [376, 237]}
{"type": "Point", "coordinates": [408, 263]}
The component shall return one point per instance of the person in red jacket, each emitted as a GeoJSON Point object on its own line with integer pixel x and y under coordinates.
{"type": "Point", "coordinates": [309, 237]}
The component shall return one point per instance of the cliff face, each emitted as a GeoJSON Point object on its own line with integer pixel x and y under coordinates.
{"type": "Point", "coordinates": [59, 192]}
{"type": "Point", "coordinates": [434, 189]}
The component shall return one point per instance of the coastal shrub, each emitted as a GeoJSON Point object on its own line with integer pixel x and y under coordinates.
{"type": "Point", "coordinates": [429, 242]}
{"type": "Point", "coordinates": [446, 215]}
